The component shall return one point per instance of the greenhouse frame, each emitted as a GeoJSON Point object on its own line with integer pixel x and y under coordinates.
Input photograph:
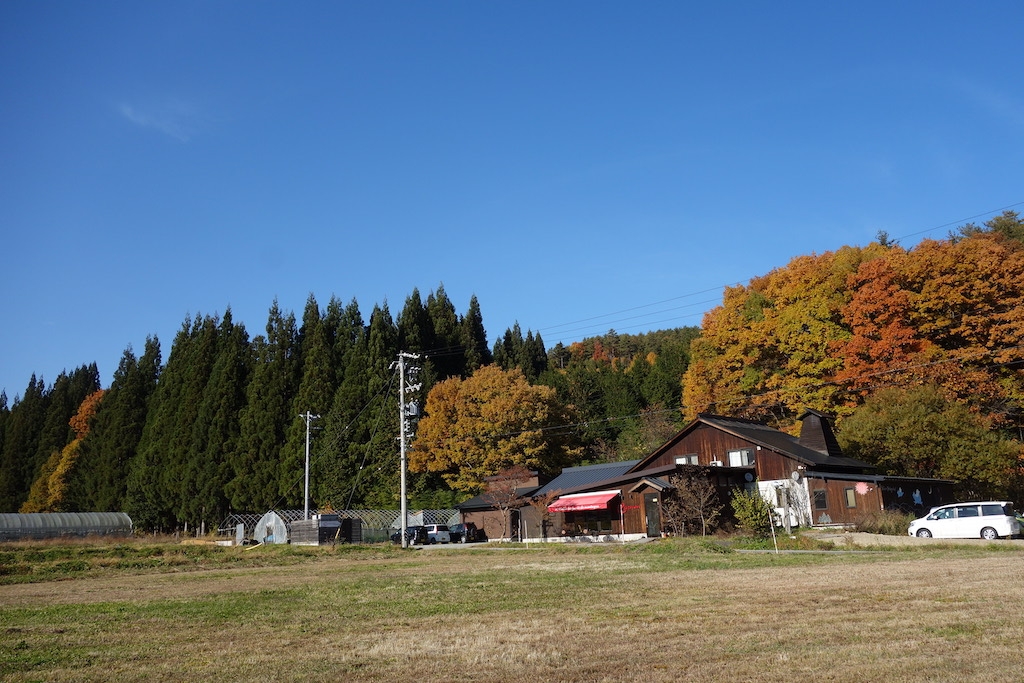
{"type": "Point", "coordinates": [41, 525]}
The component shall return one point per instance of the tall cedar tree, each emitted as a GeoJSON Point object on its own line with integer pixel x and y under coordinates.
{"type": "Point", "coordinates": [446, 344]}
{"type": "Point", "coordinates": [315, 393]}
{"type": "Point", "coordinates": [64, 400]}
{"type": "Point", "coordinates": [342, 450]}
{"type": "Point", "coordinates": [36, 427]}
{"type": "Point", "coordinates": [474, 339]}
{"type": "Point", "coordinates": [154, 497]}
{"type": "Point", "coordinates": [266, 416]}
{"type": "Point", "coordinates": [99, 480]}
{"type": "Point", "coordinates": [215, 432]}
{"type": "Point", "coordinates": [21, 440]}
{"type": "Point", "coordinates": [381, 454]}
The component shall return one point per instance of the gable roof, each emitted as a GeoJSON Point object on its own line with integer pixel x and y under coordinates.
{"type": "Point", "coordinates": [486, 502]}
{"type": "Point", "coordinates": [762, 435]}
{"type": "Point", "coordinates": [573, 478]}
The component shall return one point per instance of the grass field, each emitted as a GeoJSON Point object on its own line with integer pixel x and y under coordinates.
{"type": "Point", "coordinates": [670, 610]}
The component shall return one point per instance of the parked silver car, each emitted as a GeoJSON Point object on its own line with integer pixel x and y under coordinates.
{"type": "Point", "coordinates": [437, 533]}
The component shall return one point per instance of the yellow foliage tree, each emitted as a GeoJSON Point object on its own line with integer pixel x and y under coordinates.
{"type": "Point", "coordinates": [491, 421]}
{"type": "Point", "coordinates": [768, 350]}
{"type": "Point", "coordinates": [49, 490]}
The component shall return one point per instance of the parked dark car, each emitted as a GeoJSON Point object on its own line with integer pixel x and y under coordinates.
{"type": "Point", "coordinates": [465, 533]}
{"type": "Point", "coordinates": [417, 535]}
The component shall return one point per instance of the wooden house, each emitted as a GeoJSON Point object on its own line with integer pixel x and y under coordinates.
{"type": "Point", "coordinates": [807, 479]}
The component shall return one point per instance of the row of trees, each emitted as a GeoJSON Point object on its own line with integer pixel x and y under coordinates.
{"type": "Point", "coordinates": [216, 428]}
{"type": "Point", "coordinates": [916, 350]}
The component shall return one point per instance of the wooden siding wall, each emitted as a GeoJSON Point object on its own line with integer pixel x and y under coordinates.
{"type": "Point", "coordinates": [837, 512]}
{"type": "Point", "coordinates": [634, 517]}
{"type": "Point", "coordinates": [708, 443]}
{"type": "Point", "coordinates": [712, 444]}
{"type": "Point", "coordinates": [490, 521]}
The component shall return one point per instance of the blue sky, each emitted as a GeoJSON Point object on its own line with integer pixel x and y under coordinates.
{"type": "Point", "coordinates": [578, 166]}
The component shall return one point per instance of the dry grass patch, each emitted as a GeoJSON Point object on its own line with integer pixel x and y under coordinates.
{"type": "Point", "coordinates": [658, 613]}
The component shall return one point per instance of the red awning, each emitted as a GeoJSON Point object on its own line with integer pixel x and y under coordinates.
{"type": "Point", "coordinates": [576, 502]}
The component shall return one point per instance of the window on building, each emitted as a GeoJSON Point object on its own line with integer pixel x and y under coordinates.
{"type": "Point", "coordinates": [741, 458]}
{"type": "Point", "coordinates": [589, 522]}
{"type": "Point", "coordinates": [690, 459]}
{"type": "Point", "coordinates": [821, 499]}
{"type": "Point", "coordinates": [851, 497]}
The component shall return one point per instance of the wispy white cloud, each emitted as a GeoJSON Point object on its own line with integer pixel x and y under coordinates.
{"type": "Point", "coordinates": [173, 118]}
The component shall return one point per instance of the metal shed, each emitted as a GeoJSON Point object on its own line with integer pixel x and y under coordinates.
{"type": "Point", "coordinates": [39, 525]}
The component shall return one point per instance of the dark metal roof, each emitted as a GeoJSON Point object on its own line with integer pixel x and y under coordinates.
{"type": "Point", "coordinates": [816, 433]}
{"type": "Point", "coordinates": [573, 478]}
{"type": "Point", "coordinates": [877, 478]}
{"type": "Point", "coordinates": [484, 502]}
{"type": "Point", "coordinates": [780, 442]}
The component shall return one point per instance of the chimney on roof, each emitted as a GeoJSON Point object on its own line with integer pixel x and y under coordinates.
{"type": "Point", "coordinates": [816, 433]}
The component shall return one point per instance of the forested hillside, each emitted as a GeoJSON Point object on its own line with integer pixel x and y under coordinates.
{"type": "Point", "coordinates": [917, 351]}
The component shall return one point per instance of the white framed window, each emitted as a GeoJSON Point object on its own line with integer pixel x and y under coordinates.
{"type": "Point", "coordinates": [741, 458]}
{"type": "Point", "coordinates": [690, 459]}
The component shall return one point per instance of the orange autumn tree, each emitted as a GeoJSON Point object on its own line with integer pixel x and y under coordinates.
{"type": "Point", "coordinates": [882, 338]}
{"type": "Point", "coordinates": [828, 331]}
{"type": "Point", "coordinates": [489, 422]}
{"type": "Point", "coordinates": [967, 299]}
{"type": "Point", "coordinates": [768, 351]}
{"type": "Point", "coordinates": [49, 490]}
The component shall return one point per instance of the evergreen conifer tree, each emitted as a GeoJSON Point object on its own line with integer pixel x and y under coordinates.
{"type": "Point", "coordinates": [474, 339]}
{"type": "Point", "coordinates": [153, 495]}
{"type": "Point", "coordinates": [382, 487]}
{"type": "Point", "coordinates": [215, 432]}
{"type": "Point", "coordinates": [21, 441]}
{"type": "Point", "coordinates": [315, 392]}
{"type": "Point", "coordinates": [446, 350]}
{"type": "Point", "coordinates": [267, 414]}
{"type": "Point", "coordinates": [63, 401]}
{"type": "Point", "coordinates": [100, 478]}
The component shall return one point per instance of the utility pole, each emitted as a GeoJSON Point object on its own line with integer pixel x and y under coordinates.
{"type": "Point", "coordinates": [308, 417]}
{"type": "Point", "coordinates": [404, 413]}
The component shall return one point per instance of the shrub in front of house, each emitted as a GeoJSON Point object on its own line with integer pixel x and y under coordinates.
{"type": "Point", "coordinates": [888, 522]}
{"type": "Point", "coordinates": [753, 516]}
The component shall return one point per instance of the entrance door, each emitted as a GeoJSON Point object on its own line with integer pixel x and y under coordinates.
{"type": "Point", "coordinates": [653, 514]}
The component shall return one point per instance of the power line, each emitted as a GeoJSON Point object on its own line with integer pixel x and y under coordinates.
{"type": "Point", "coordinates": [576, 324]}
{"type": "Point", "coordinates": [962, 221]}
{"type": "Point", "coordinates": [552, 328]}
{"type": "Point", "coordinates": [747, 398]}
{"type": "Point", "coordinates": [591, 322]}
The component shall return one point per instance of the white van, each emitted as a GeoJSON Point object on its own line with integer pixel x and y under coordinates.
{"type": "Point", "coordinates": [989, 520]}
